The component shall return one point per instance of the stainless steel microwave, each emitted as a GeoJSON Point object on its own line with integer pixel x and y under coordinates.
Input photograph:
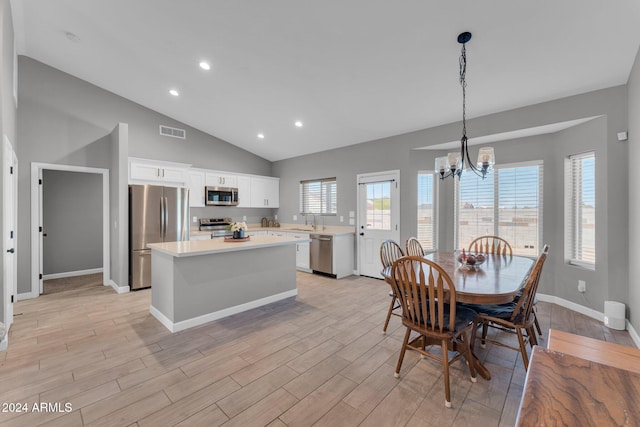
{"type": "Point", "coordinates": [221, 196]}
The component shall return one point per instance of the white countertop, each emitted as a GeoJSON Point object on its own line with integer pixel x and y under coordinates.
{"type": "Point", "coordinates": [219, 245]}
{"type": "Point", "coordinates": [329, 230]}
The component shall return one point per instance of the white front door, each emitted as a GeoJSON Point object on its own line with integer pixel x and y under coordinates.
{"type": "Point", "coordinates": [10, 206]}
{"type": "Point", "coordinates": [378, 217]}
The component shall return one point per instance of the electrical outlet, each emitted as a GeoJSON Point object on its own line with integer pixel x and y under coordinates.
{"type": "Point", "coordinates": [276, 217]}
{"type": "Point", "coordinates": [352, 214]}
{"type": "Point", "coordinates": [244, 217]}
{"type": "Point", "coordinates": [195, 219]}
{"type": "Point", "coordinates": [295, 217]}
{"type": "Point", "coordinates": [352, 221]}
{"type": "Point", "coordinates": [341, 218]}
{"type": "Point", "coordinates": [582, 286]}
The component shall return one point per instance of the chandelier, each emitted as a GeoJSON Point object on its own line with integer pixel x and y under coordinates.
{"type": "Point", "coordinates": [454, 163]}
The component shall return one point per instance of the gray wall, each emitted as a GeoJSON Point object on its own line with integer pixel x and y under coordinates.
{"type": "Point", "coordinates": [7, 111]}
{"type": "Point", "coordinates": [72, 221]}
{"type": "Point", "coordinates": [66, 120]}
{"type": "Point", "coordinates": [118, 206]}
{"type": "Point", "coordinates": [608, 281]}
{"type": "Point", "coordinates": [634, 193]}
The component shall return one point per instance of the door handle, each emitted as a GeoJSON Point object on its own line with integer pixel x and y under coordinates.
{"type": "Point", "coordinates": [12, 250]}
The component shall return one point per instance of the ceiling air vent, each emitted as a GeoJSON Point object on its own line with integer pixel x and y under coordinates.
{"type": "Point", "coordinates": [172, 132]}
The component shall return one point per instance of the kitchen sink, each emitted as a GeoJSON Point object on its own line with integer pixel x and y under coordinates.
{"type": "Point", "coordinates": [308, 230]}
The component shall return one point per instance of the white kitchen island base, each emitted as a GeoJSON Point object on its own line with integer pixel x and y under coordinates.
{"type": "Point", "coordinates": [201, 281]}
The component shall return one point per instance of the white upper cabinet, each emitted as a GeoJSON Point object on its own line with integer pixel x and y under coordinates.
{"type": "Point", "coordinates": [196, 187]}
{"type": "Point", "coordinates": [143, 171]}
{"type": "Point", "coordinates": [221, 179]}
{"type": "Point", "coordinates": [265, 192]}
{"type": "Point", "coordinates": [244, 191]}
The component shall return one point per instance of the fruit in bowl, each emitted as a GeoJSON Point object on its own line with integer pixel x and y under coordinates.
{"type": "Point", "coordinates": [470, 260]}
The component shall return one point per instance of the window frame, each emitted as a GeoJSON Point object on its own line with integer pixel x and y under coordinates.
{"type": "Point", "coordinates": [571, 239]}
{"type": "Point", "coordinates": [323, 198]}
{"type": "Point", "coordinates": [434, 198]}
{"type": "Point", "coordinates": [496, 196]}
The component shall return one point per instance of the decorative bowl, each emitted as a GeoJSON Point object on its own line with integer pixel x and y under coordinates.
{"type": "Point", "coordinates": [471, 260]}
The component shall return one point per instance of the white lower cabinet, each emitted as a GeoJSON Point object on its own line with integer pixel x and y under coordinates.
{"type": "Point", "coordinates": [302, 249]}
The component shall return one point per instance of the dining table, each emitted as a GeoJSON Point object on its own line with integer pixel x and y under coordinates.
{"type": "Point", "coordinates": [496, 281]}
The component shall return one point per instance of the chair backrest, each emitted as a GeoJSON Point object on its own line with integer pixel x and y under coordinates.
{"type": "Point", "coordinates": [414, 248]}
{"type": "Point", "coordinates": [425, 291]}
{"type": "Point", "coordinates": [390, 251]}
{"type": "Point", "coordinates": [490, 245]}
{"type": "Point", "coordinates": [524, 306]}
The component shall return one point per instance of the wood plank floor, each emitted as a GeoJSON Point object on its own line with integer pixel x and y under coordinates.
{"type": "Point", "coordinates": [318, 359]}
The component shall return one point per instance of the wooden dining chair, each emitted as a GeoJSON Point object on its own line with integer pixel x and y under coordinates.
{"type": "Point", "coordinates": [427, 296]}
{"type": "Point", "coordinates": [390, 251]}
{"type": "Point", "coordinates": [516, 317]}
{"type": "Point", "coordinates": [490, 245]}
{"type": "Point", "coordinates": [498, 245]}
{"type": "Point", "coordinates": [414, 248]}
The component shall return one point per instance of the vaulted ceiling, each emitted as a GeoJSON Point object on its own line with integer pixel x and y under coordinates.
{"type": "Point", "coordinates": [350, 70]}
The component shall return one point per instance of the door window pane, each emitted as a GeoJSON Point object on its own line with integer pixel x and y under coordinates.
{"type": "Point", "coordinates": [379, 205]}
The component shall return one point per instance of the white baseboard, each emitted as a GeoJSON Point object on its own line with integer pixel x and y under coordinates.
{"type": "Point", "coordinates": [594, 314]}
{"type": "Point", "coordinates": [634, 334]}
{"type": "Point", "coordinates": [71, 274]}
{"type": "Point", "coordinates": [210, 317]}
{"type": "Point", "coordinates": [119, 289]}
{"type": "Point", "coordinates": [26, 295]}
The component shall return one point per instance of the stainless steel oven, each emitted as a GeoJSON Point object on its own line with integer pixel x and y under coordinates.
{"type": "Point", "coordinates": [221, 196]}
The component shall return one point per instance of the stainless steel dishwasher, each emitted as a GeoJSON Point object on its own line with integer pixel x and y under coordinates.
{"type": "Point", "coordinates": [321, 253]}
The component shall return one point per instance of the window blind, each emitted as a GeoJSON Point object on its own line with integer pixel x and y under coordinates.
{"type": "Point", "coordinates": [507, 203]}
{"type": "Point", "coordinates": [319, 197]}
{"type": "Point", "coordinates": [426, 226]}
{"type": "Point", "coordinates": [580, 209]}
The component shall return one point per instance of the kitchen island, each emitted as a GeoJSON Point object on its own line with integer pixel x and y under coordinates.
{"type": "Point", "coordinates": [198, 281]}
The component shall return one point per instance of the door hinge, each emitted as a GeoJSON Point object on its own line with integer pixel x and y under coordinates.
{"type": "Point", "coordinates": [12, 299]}
{"type": "Point", "coordinates": [11, 234]}
{"type": "Point", "coordinates": [11, 170]}
{"type": "Point", "coordinates": [40, 276]}
{"type": "Point", "coordinates": [40, 229]}
{"type": "Point", "coordinates": [40, 181]}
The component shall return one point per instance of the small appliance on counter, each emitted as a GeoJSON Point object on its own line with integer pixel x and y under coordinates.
{"type": "Point", "coordinates": [217, 226]}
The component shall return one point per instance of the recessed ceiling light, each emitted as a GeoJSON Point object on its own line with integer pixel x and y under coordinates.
{"type": "Point", "coordinates": [261, 135]}
{"type": "Point", "coordinates": [174, 92]}
{"type": "Point", "coordinates": [298, 124]}
{"type": "Point", "coordinates": [205, 65]}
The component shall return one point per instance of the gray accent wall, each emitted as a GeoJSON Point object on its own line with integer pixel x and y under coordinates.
{"type": "Point", "coordinates": [65, 120]}
{"type": "Point", "coordinates": [72, 221]}
{"type": "Point", "coordinates": [608, 108]}
{"type": "Point", "coordinates": [634, 194]}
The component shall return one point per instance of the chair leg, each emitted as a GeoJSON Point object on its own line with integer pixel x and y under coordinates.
{"type": "Point", "coordinates": [523, 349]}
{"type": "Point", "coordinates": [445, 365]}
{"type": "Point", "coordinates": [404, 349]}
{"type": "Point", "coordinates": [386, 322]}
{"type": "Point", "coordinates": [468, 355]}
{"type": "Point", "coordinates": [485, 330]}
{"type": "Point", "coordinates": [533, 340]}
{"type": "Point", "coordinates": [535, 320]}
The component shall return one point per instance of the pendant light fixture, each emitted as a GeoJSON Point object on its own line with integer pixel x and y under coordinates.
{"type": "Point", "coordinates": [454, 163]}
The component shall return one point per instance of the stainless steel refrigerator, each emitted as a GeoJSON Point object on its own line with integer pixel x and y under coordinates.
{"type": "Point", "coordinates": [156, 214]}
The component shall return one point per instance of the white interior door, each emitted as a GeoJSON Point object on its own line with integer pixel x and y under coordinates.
{"type": "Point", "coordinates": [378, 217]}
{"type": "Point", "coordinates": [10, 206]}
